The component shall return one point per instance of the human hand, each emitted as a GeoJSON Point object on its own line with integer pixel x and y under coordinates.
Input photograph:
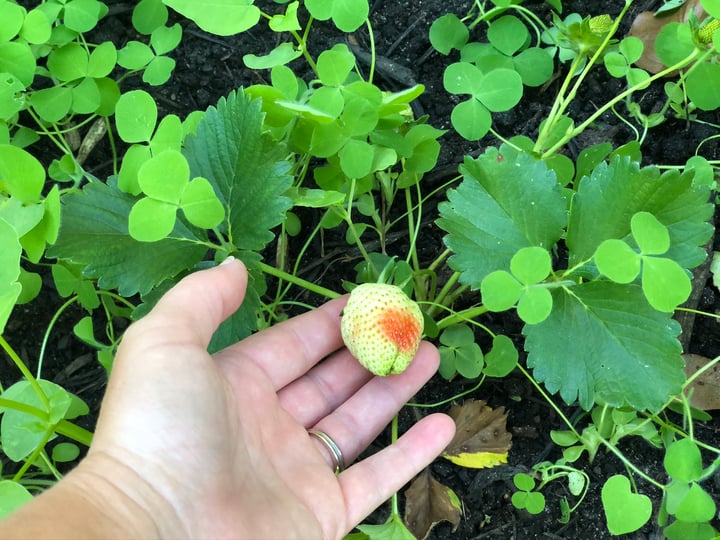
{"type": "Point", "coordinates": [217, 447]}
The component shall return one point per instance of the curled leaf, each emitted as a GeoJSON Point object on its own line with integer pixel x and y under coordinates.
{"type": "Point", "coordinates": [427, 503]}
{"type": "Point", "coordinates": [481, 438]}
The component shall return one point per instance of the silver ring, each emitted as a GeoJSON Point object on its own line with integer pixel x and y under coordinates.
{"type": "Point", "coordinates": [333, 448]}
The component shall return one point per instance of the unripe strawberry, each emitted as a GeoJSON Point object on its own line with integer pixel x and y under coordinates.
{"type": "Point", "coordinates": [382, 327]}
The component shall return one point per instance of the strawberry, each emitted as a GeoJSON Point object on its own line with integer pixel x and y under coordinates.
{"type": "Point", "coordinates": [382, 327]}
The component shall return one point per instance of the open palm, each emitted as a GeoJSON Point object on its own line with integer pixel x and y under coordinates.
{"type": "Point", "coordinates": [217, 446]}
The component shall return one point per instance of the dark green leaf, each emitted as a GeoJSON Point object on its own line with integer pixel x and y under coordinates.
{"type": "Point", "coordinates": [94, 233]}
{"type": "Point", "coordinates": [245, 168]}
{"type": "Point", "coordinates": [507, 201]}
{"type": "Point", "coordinates": [604, 355]}
{"type": "Point", "coordinates": [607, 200]}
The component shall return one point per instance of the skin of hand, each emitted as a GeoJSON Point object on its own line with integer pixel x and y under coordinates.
{"type": "Point", "coordinates": [190, 445]}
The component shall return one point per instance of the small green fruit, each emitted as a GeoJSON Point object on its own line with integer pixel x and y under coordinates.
{"type": "Point", "coordinates": [382, 327]}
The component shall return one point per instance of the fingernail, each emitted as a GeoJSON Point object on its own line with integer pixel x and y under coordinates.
{"type": "Point", "coordinates": [227, 260]}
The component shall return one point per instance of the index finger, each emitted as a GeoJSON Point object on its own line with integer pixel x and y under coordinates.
{"type": "Point", "coordinates": [288, 350]}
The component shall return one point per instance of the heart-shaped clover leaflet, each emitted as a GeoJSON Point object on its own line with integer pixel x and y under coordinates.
{"type": "Point", "coordinates": [625, 511]}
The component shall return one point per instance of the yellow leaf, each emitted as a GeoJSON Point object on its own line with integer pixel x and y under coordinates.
{"type": "Point", "coordinates": [479, 460]}
{"type": "Point", "coordinates": [481, 438]}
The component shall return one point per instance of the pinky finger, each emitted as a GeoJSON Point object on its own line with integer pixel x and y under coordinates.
{"type": "Point", "coordinates": [372, 481]}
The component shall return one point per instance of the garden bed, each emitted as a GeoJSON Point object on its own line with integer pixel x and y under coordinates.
{"type": "Point", "coordinates": [210, 67]}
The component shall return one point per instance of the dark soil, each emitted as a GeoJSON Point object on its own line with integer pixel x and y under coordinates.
{"type": "Point", "coordinates": [209, 67]}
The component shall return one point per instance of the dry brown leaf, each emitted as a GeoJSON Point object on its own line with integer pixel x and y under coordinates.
{"type": "Point", "coordinates": [427, 503]}
{"type": "Point", "coordinates": [647, 26]}
{"type": "Point", "coordinates": [706, 388]}
{"type": "Point", "coordinates": [481, 438]}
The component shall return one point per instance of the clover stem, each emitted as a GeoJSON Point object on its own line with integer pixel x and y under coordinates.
{"type": "Point", "coordinates": [290, 278]}
{"type": "Point", "coordinates": [371, 36]}
{"type": "Point", "coordinates": [393, 440]}
{"type": "Point", "coordinates": [549, 400]}
{"type": "Point", "coordinates": [439, 259]}
{"type": "Point", "coordinates": [26, 373]}
{"type": "Point", "coordinates": [461, 316]}
{"type": "Point", "coordinates": [558, 106]}
{"type": "Point", "coordinates": [630, 90]}
{"type": "Point", "coordinates": [412, 228]}
{"type": "Point", "coordinates": [75, 432]}
{"type": "Point", "coordinates": [51, 324]}
{"type": "Point", "coordinates": [439, 297]}
{"type": "Point", "coordinates": [628, 464]}
{"type": "Point", "coordinates": [351, 225]}
{"type": "Point", "coordinates": [34, 455]}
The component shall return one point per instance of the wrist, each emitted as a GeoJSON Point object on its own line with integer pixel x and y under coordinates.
{"type": "Point", "coordinates": [101, 498]}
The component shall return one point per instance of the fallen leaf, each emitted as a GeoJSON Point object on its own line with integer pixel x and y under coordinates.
{"type": "Point", "coordinates": [706, 388]}
{"type": "Point", "coordinates": [427, 503]}
{"type": "Point", "coordinates": [646, 26]}
{"type": "Point", "coordinates": [481, 438]}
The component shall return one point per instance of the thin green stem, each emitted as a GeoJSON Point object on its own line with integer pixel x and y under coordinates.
{"type": "Point", "coordinates": [290, 278]}
{"type": "Point", "coordinates": [461, 316]}
{"type": "Point", "coordinates": [34, 455]}
{"type": "Point", "coordinates": [46, 337]}
{"type": "Point", "coordinates": [549, 400]}
{"type": "Point", "coordinates": [621, 96]}
{"type": "Point", "coordinates": [448, 400]}
{"type": "Point", "coordinates": [74, 432]}
{"type": "Point", "coordinates": [393, 439]}
{"type": "Point", "coordinates": [25, 372]}
{"type": "Point", "coordinates": [413, 228]}
{"type": "Point", "coordinates": [371, 37]}
{"type": "Point", "coordinates": [24, 408]}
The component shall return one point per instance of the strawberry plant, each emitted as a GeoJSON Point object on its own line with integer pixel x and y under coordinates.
{"type": "Point", "coordinates": [592, 250]}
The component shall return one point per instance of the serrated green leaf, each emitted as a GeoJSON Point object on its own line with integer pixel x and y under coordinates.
{"type": "Point", "coordinates": [244, 166]}
{"type": "Point", "coordinates": [605, 355]}
{"type": "Point", "coordinates": [94, 233]}
{"type": "Point", "coordinates": [606, 201]}
{"type": "Point", "coordinates": [508, 200]}
{"type": "Point", "coordinates": [244, 321]}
